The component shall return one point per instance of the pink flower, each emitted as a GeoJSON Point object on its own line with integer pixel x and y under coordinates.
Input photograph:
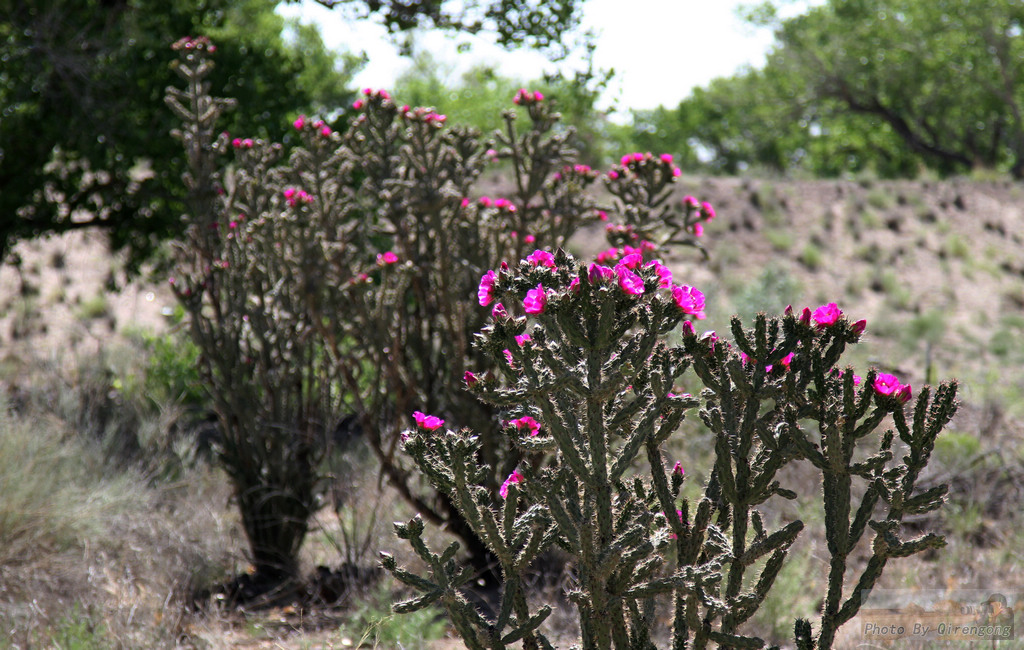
{"type": "Point", "coordinates": [522, 338]}
{"type": "Point", "coordinates": [469, 378]}
{"type": "Point", "coordinates": [357, 104]}
{"type": "Point", "coordinates": [386, 258]}
{"type": "Point", "coordinates": [325, 131]}
{"type": "Point", "coordinates": [688, 329]}
{"type": "Point", "coordinates": [632, 261]}
{"type": "Point", "coordinates": [574, 286]}
{"type": "Point", "coordinates": [602, 215]}
{"type": "Point", "coordinates": [707, 211]}
{"type": "Point", "coordinates": [679, 515]}
{"type": "Point", "coordinates": [597, 273]}
{"type": "Point", "coordinates": [526, 422]}
{"type": "Point", "coordinates": [541, 258]}
{"type": "Point", "coordinates": [678, 469]}
{"type": "Point", "coordinates": [612, 174]}
{"type": "Point", "coordinates": [666, 158]}
{"type": "Point", "coordinates": [786, 360]}
{"type": "Point", "coordinates": [886, 384]}
{"type": "Point", "coordinates": [664, 274]}
{"type": "Point", "coordinates": [805, 316]}
{"type": "Point", "coordinates": [299, 122]}
{"type": "Point", "coordinates": [529, 239]}
{"type": "Point", "coordinates": [689, 300]}
{"type": "Point", "coordinates": [827, 314]}
{"type": "Point", "coordinates": [485, 292]}
{"type": "Point", "coordinates": [514, 477]}
{"type": "Point", "coordinates": [698, 230]}
{"type": "Point", "coordinates": [860, 326]}
{"type": "Point", "coordinates": [428, 422]}
{"type": "Point", "coordinates": [508, 357]}
{"type": "Point", "coordinates": [690, 201]}
{"type": "Point", "coordinates": [630, 282]}
{"type": "Point", "coordinates": [499, 313]}
{"type": "Point", "coordinates": [536, 300]}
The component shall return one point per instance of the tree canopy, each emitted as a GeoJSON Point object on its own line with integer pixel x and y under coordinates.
{"type": "Point", "coordinates": [84, 134]}
{"type": "Point", "coordinates": [889, 86]}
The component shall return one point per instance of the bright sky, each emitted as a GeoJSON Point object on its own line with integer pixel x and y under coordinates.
{"type": "Point", "coordinates": [660, 49]}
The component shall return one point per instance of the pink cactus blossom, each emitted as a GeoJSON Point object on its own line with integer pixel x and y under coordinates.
{"type": "Point", "coordinates": [827, 315]}
{"type": "Point", "coordinates": [514, 477]}
{"type": "Point", "coordinates": [485, 292]}
{"type": "Point", "coordinates": [664, 273]}
{"type": "Point", "coordinates": [522, 338]}
{"type": "Point", "coordinates": [678, 469]}
{"type": "Point", "coordinates": [536, 300]}
{"type": "Point", "coordinates": [690, 202]}
{"type": "Point", "coordinates": [386, 258]}
{"type": "Point", "coordinates": [886, 384]}
{"type": "Point", "coordinates": [427, 422]}
{"type": "Point", "coordinates": [526, 422]}
{"type": "Point", "coordinates": [499, 313]}
{"type": "Point", "coordinates": [630, 282]}
{"type": "Point", "coordinates": [707, 211]}
{"type": "Point", "coordinates": [541, 258]}
{"type": "Point", "coordinates": [299, 122]}
{"type": "Point", "coordinates": [690, 300]}
{"type": "Point", "coordinates": [666, 158]}
{"type": "Point", "coordinates": [469, 378]}
{"type": "Point", "coordinates": [632, 261]}
{"type": "Point", "coordinates": [574, 286]}
{"type": "Point", "coordinates": [860, 326]}
{"type": "Point", "coordinates": [597, 273]}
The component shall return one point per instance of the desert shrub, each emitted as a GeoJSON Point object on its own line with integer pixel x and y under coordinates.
{"type": "Point", "coordinates": [586, 374]}
{"type": "Point", "coordinates": [341, 275]}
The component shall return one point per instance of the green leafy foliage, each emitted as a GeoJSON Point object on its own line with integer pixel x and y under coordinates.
{"type": "Point", "coordinates": [859, 85]}
{"type": "Point", "coordinates": [86, 138]}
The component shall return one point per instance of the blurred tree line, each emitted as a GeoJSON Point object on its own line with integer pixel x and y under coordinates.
{"type": "Point", "coordinates": [85, 135]}
{"type": "Point", "coordinates": [889, 87]}
{"type": "Point", "coordinates": [886, 87]}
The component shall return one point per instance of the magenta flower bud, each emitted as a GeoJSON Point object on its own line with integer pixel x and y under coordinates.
{"type": "Point", "coordinates": [805, 316]}
{"type": "Point", "coordinates": [596, 273]}
{"type": "Point", "coordinates": [536, 300]}
{"type": "Point", "coordinates": [469, 378]}
{"type": "Point", "coordinates": [666, 158]}
{"type": "Point", "coordinates": [522, 338]}
{"type": "Point", "coordinates": [707, 211]}
{"type": "Point", "coordinates": [690, 201]}
{"type": "Point", "coordinates": [499, 313]}
{"type": "Point", "coordinates": [678, 469]}
{"type": "Point", "coordinates": [428, 422]}
{"type": "Point", "coordinates": [860, 326]}
{"type": "Point", "coordinates": [789, 310]}
{"type": "Point", "coordinates": [688, 329]}
{"type": "Point", "coordinates": [904, 393]}
{"type": "Point", "coordinates": [485, 292]}
{"type": "Point", "coordinates": [299, 122]}
{"type": "Point", "coordinates": [664, 274]}
{"type": "Point", "coordinates": [514, 477]}
{"type": "Point", "coordinates": [526, 422]}
{"type": "Point", "coordinates": [386, 258]}
{"type": "Point", "coordinates": [574, 286]}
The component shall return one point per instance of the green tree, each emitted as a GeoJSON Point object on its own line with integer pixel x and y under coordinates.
{"type": "Point", "coordinates": [944, 76]}
{"type": "Point", "coordinates": [84, 134]}
{"type": "Point", "coordinates": [85, 137]}
{"type": "Point", "coordinates": [482, 93]}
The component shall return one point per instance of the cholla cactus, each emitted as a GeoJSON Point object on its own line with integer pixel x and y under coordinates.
{"type": "Point", "coordinates": [244, 253]}
{"type": "Point", "coordinates": [362, 250]}
{"type": "Point", "coordinates": [587, 377]}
